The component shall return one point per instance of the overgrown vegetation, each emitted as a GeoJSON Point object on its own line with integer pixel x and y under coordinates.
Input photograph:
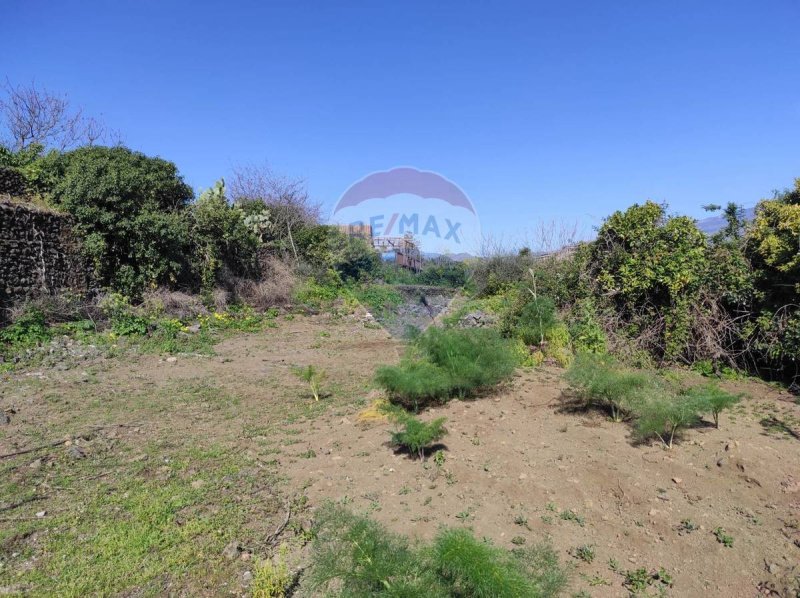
{"type": "Point", "coordinates": [659, 408]}
{"type": "Point", "coordinates": [446, 363]}
{"type": "Point", "coordinates": [353, 556]}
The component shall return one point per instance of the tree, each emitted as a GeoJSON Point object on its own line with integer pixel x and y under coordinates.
{"type": "Point", "coordinates": [130, 209]}
{"type": "Point", "coordinates": [32, 115]}
{"type": "Point", "coordinates": [285, 198]}
{"type": "Point", "coordinates": [221, 237]}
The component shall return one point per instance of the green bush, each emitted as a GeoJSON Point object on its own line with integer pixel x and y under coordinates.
{"type": "Point", "coordinates": [130, 209]}
{"type": "Point", "coordinates": [324, 247]}
{"type": "Point", "coordinates": [532, 320]}
{"type": "Point", "coordinates": [710, 398]}
{"type": "Point", "coordinates": [445, 273]}
{"type": "Point", "coordinates": [353, 556]}
{"type": "Point", "coordinates": [414, 382]}
{"type": "Point", "coordinates": [417, 435]}
{"type": "Point", "coordinates": [28, 330]}
{"type": "Point", "coordinates": [223, 242]}
{"type": "Point", "coordinates": [666, 415]}
{"type": "Point", "coordinates": [602, 380]}
{"type": "Point", "coordinates": [585, 330]}
{"type": "Point", "coordinates": [444, 363]}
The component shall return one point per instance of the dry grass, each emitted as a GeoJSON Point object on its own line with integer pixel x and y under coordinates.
{"type": "Point", "coordinates": [174, 303]}
{"type": "Point", "coordinates": [275, 287]}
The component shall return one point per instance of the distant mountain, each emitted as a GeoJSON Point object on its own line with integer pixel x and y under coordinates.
{"type": "Point", "coordinates": [715, 223]}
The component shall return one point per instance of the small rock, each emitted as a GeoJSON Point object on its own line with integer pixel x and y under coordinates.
{"type": "Point", "coordinates": [35, 464]}
{"type": "Point", "coordinates": [247, 578]}
{"type": "Point", "coordinates": [198, 484]}
{"type": "Point", "coordinates": [677, 480]}
{"type": "Point", "coordinates": [232, 550]}
{"type": "Point", "coordinates": [172, 359]}
{"type": "Point", "coordinates": [773, 568]}
{"type": "Point", "coordinates": [41, 514]}
{"type": "Point", "coordinates": [522, 476]}
{"type": "Point", "coordinates": [4, 419]}
{"type": "Point", "coordinates": [76, 452]}
{"type": "Point", "coordinates": [194, 328]}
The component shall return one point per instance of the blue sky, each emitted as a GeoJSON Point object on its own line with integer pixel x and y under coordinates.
{"type": "Point", "coordinates": [538, 111]}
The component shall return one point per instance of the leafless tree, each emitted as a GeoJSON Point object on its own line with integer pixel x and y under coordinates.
{"type": "Point", "coordinates": [286, 198]}
{"type": "Point", "coordinates": [32, 114]}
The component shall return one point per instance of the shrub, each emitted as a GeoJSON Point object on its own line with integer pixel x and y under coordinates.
{"type": "Point", "coordinates": [28, 329]}
{"type": "Point", "coordinates": [664, 416]}
{"type": "Point", "coordinates": [445, 272]}
{"type": "Point", "coordinates": [710, 398]}
{"type": "Point", "coordinates": [585, 330]}
{"type": "Point", "coordinates": [414, 382]}
{"type": "Point", "coordinates": [475, 568]}
{"type": "Point", "coordinates": [444, 363]}
{"type": "Point", "coordinates": [417, 435]}
{"type": "Point", "coordinates": [531, 319]}
{"type": "Point", "coordinates": [124, 321]}
{"type": "Point", "coordinates": [224, 245]}
{"type": "Point", "coordinates": [353, 556]}
{"type": "Point", "coordinates": [361, 558]}
{"type": "Point", "coordinates": [602, 380]}
{"type": "Point", "coordinates": [129, 208]}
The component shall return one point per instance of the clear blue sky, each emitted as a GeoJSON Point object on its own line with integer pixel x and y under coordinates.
{"type": "Point", "coordinates": [538, 110]}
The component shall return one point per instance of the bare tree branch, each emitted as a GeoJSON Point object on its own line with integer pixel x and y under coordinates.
{"type": "Point", "coordinates": [31, 114]}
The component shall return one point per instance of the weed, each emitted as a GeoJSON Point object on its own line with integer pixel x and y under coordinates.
{"type": "Point", "coordinates": [518, 540]}
{"type": "Point", "coordinates": [687, 526]}
{"type": "Point", "coordinates": [464, 515]}
{"type": "Point", "coordinates": [522, 521]}
{"type": "Point", "coordinates": [272, 578]}
{"type": "Point", "coordinates": [417, 435]}
{"type": "Point", "coordinates": [584, 553]}
{"type": "Point", "coordinates": [313, 377]}
{"type": "Point", "coordinates": [596, 580]}
{"type": "Point", "coordinates": [439, 458]}
{"type": "Point", "coordinates": [723, 538]}
{"type": "Point", "coordinates": [570, 515]}
{"type": "Point", "coordinates": [547, 519]}
{"type": "Point", "coordinates": [613, 565]}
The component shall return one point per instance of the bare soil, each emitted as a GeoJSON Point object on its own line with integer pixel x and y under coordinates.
{"type": "Point", "coordinates": [521, 465]}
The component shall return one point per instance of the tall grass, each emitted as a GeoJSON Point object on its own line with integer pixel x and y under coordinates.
{"type": "Point", "coordinates": [354, 556]}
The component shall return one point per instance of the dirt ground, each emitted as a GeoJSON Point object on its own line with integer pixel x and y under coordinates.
{"type": "Point", "coordinates": [238, 440]}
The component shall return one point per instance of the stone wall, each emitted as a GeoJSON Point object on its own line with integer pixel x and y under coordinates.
{"type": "Point", "coordinates": [38, 254]}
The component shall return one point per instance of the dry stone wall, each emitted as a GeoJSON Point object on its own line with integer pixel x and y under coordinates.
{"type": "Point", "coordinates": [39, 253]}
